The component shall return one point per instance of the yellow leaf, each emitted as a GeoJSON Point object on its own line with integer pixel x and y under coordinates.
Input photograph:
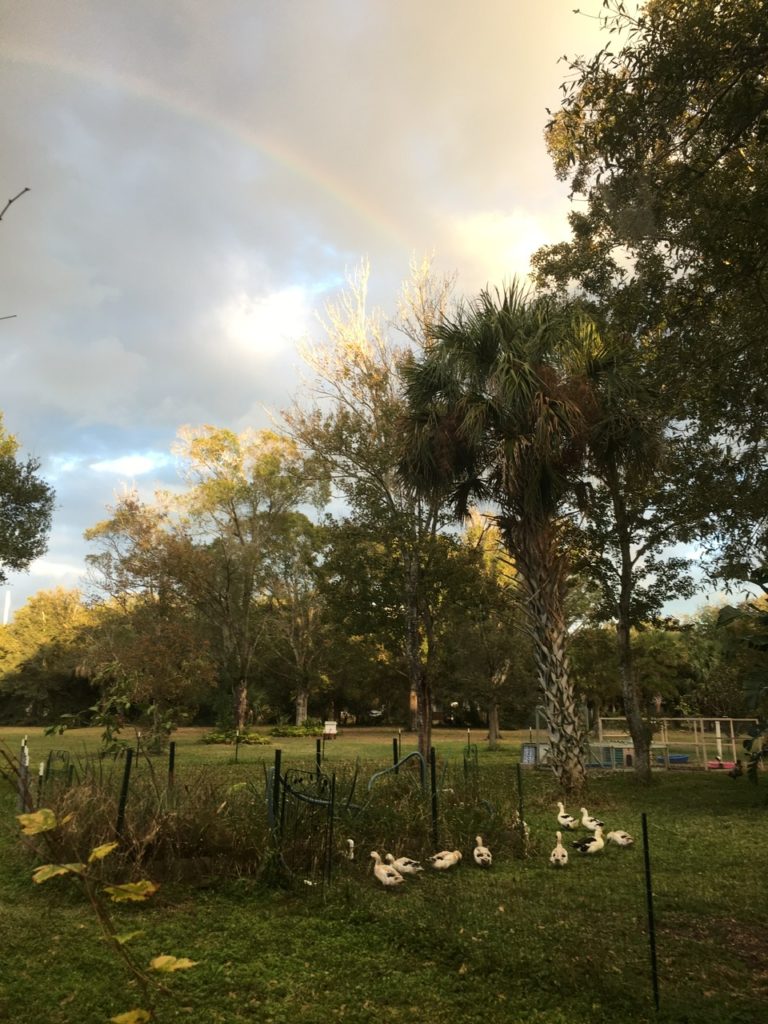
{"type": "Point", "coordinates": [167, 964]}
{"type": "Point", "coordinates": [132, 1017]}
{"type": "Point", "coordinates": [100, 852]}
{"type": "Point", "coordinates": [134, 892]}
{"type": "Point", "coordinates": [41, 821]}
{"type": "Point", "coordinates": [46, 871]}
{"type": "Point", "coordinates": [67, 817]}
{"type": "Point", "coordinates": [126, 937]}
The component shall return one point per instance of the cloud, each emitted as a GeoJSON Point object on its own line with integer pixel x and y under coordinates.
{"type": "Point", "coordinates": [132, 465]}
{"type": "Point", "coordinates": [497, 245]}
{"type": "Point", "coordinates": [49, 568]}
{"type": "Point", "coordinates": [264, 325]}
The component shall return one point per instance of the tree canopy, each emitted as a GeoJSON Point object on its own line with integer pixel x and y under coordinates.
{"type": "Point", "coordinates": [26, 507]}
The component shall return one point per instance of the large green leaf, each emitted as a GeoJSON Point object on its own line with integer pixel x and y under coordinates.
{"type": "Point", "coordinates": [133, 892]}
{"type": "Point", "coordinates": [168, 964]}
{"type": "Point", "coordinates": [100, 852]}
{"type": "Point", "coordinates": [46, 871]}
{"type": "Point", "coordinates": [38, 821]}
{"type": "Point", "coordinates": [132, 1017]}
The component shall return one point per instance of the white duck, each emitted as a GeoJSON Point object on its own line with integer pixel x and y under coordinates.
{"type": "Point", "coordinates": [589, 822]}
{"type": "Point", "coordinates": [384, 872]}
{"type": "Point", "coordinates": [482, 855]}
{"type": "Point", "coordinates": [404, 865]}
{"type": "Point", "coordinates": [445, 859]}
{"type": "Point", "coordinates": [350, 851]}
{"type": "Point", "coordinates": [591, 844]}
{"type": "Point", "coordinates": [565, 820]}
{"type": "Point", "coordinates": [620, 837]}
{"type": "Point", "coordinates": [559, 856]}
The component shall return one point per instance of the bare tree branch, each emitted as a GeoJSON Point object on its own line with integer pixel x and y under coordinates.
{"type": "Point", "coordinates": [12, 200]}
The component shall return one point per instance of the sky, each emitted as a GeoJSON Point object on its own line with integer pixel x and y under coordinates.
{"type": "Point", "coordinates": [205, 177]}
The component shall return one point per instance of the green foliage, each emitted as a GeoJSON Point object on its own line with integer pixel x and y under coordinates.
{"type": "Point", "coordinates": [197, 580]}
{"type": "Point", "coordinates": [42, 654]}
{"type": "Point", "coordinates": [661, 135]}
{"type": "Point", "coordinates": [231, 736]}
{"type": "Point", "coordinates": [309, 728]}
{"type": "Point", "coordinates": [752, 621]}
{"type": "Point", "coordinates": [44, 821]}
{"type": "Point", "coordinates": [26, 506]}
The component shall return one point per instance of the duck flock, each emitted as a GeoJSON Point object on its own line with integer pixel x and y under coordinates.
{"type": "Point", "coordinates": [392, 870]}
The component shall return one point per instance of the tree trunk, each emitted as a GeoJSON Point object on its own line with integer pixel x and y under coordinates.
{"type": "Point", "coordinates": [417, 670]}
{"type": "Point", "coordinates": [639, 729]}
{"type": "Point", "coordinates": [425, 716]}
{"type": "Point", "coordinates": [494, 733]}
{"type": "Point", "coordinates": [413, 708]}
{"type": "Point", "coordinates": [241, 704]}
{"type": "Point", "coordinates": [301, 702]}
{"type": "Point", "coordinates": [543, 570]}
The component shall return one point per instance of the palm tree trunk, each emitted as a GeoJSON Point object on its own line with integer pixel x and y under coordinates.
{"type": "Point", "coordinates": [543, 571]}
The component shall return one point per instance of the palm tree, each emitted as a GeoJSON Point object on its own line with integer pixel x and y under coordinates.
{"type": "Point", "coordinates": [501, 404]}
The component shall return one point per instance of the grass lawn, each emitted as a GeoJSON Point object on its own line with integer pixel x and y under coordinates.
{"type": "Point", "coordinates": [520, 942]}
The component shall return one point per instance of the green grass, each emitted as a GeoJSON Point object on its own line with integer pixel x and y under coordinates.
{"type": "Point", "coordinates": [521, 942]}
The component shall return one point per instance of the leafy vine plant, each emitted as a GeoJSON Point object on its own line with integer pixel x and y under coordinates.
{"type": "Point", "coordinates": [100, 896]}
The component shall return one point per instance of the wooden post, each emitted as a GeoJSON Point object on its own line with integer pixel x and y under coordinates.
{"type": "Point", "coordinates": [24, 776]}
{"type": "Point", "coordinates": [520, 792]}
{"type": "Point", "coordinates": [599, 730]}
{"type": "Point", "coordinates": [733, 741]}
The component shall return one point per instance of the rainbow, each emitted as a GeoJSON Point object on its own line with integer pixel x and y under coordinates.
{"type": "Point", "coordinates": [276, 150]}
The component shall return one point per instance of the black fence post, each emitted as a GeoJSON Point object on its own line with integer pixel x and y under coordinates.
{"type": "Point", "coordinates": [318, 755]}
{"type": "Point", "coordinates": [329, 830]}
{"type": "Point", "coordinates": [171, 763]}
{"type": "Point", "coordinates": [395, 755]}
{"type": "Point", "coordinates": [651, 922]}
{"type": "Point", "coordinates": [124, 793]}
{"type": "Point", "coordinates": [433, 781]}
{"type": "Point", "coordinates": [276, 790]}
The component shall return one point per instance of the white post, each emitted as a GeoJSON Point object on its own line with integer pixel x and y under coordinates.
{"type": "Point", "coordinates": [599, 729]}
{"type": "Point", "coordinates": [23, 775]}
{"type": "Point", "coordinates": [718, 739]}
{"type": "Point", "coordinates": [733, 740]}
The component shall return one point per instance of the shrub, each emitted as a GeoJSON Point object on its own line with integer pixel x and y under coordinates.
{"type": "Point", "coordinates": [230, 736]}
